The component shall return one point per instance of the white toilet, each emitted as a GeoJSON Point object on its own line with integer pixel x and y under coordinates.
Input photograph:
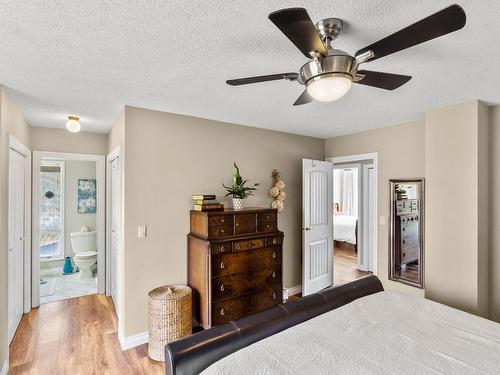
{"type": "Point", "coordinates": [84, 246]}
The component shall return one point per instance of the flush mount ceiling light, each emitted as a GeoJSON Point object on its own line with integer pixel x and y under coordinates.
{"type": "Point", "coordinates": [73, 124]}
{"type": "Point", "coordinates": [329, 73]}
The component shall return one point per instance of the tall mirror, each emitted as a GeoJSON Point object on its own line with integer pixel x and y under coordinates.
{"type": "Point", "coordinates": [407, 232]}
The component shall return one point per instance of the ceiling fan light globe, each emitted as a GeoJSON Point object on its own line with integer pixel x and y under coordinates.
{"type": "Point", "coordinates": [329, 87]}
{"type": "Point", "coordinates": [73, 124]}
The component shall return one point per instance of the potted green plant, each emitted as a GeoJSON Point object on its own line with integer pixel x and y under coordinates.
{"type": "Point", "coordinates": [238, 190]}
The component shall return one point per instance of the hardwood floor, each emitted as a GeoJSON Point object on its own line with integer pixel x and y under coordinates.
{"type": "Point", "coordinates": [75, 336]}
{"type": "Point", "coordinates": [345, 265]}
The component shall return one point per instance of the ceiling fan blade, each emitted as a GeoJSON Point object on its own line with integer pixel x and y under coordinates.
{"type": "Point", "coordinates": [296, 24]}
{"type": "Point", "coordinates": [441, 23]}
{"type": "Point", "coordinates": [304, 98]}
{"type": "Point", "coordinates": [386, 81]}
{"type": "Point", "coordinates": [266, 78]}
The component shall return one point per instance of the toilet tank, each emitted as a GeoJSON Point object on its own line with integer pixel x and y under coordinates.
{"type": "Point", "coordinates": [83, 241]}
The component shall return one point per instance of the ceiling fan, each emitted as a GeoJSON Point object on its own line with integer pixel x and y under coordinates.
{"type": "Point", "coordinates": [329, 74]}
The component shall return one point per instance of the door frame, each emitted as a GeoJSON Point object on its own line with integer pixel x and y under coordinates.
{"type": "Point", "coordinates": [19, 147]}
{"type": "Point", "coordinates": [366, 194]}
{"type": "Point", "coordinates": [100, 216]}
{"type": "Point", "coordinates": [357, 158]}
{"type": "Point", "coordinates": [109, 159]}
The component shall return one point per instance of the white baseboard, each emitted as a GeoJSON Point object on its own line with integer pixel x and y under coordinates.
{"type": "Point", "coordinates": [297, 289]}
{"type": "Point", "coordinates": [133, 341]}
{"type": "Point", "coordinates": [5, 368]}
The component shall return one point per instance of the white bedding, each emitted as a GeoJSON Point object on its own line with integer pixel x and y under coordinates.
{"type": "Point", "coordinates": [344, 228]}
{"type": "Point", "coordinates": [385, 333]}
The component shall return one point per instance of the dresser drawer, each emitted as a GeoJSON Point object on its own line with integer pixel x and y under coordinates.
{"type": "Point", "coordinates": [245, 223]}
{"type": "Point", "coordinates": [266, 226]}
{"type": "Point", "coordinates": [239, 283]}
{"type": "Point", "coordinates": [215, 231]}
{"type": "Point", "coordinates": [266, 216]}
{"type": "Point", "coordinates": [220, 221]}
{"type": "Point", "coordinates": [255, 243]}
{"type": "Point", "coordinates": [225, 264]}
{"type": "Point", "coordinates": [274, 240]}
{"type": "Point", "coordinates": [238, 307]}
{"type": "Point", "coordinates": [221, 248]}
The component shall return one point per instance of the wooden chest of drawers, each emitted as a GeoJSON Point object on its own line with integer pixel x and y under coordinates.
{"type": "Point", "coordinates": [234, 264]}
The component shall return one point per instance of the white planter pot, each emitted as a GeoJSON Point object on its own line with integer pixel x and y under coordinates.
{"type": "Point", "coordinates": [237, 204]}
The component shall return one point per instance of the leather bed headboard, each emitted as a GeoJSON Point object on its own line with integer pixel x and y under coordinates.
{"type": "Point", "coordinates": [193, 354]}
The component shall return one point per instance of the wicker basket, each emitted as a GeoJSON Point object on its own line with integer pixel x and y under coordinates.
{"type": "Point", "coordinates": [169, 317]}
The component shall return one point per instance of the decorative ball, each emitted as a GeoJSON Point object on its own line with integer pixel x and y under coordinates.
{"type": "Point", "coordinates": [280, 185]}
{"type": "Point", "coordinates": [281, 196]}
{"type": "Point", "coordinates": [274, 192]}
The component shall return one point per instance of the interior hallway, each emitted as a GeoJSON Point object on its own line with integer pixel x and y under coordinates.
{"type": "Point", "coordinates": [75, 336]}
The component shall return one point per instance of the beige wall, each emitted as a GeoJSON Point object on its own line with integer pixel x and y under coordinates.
{"type": "Point", "coordinates": [400, 155]}
{"type": "Point", "coordinates": [168, 158]}
{"type": "Point", "coordinates": [495, 213]}
{"type": "Point", "coordinates": [456, 228]}
{"type": "Point", "coordinates": [60, 140]}
{"type": "Point", "coordinates": [11, 122]}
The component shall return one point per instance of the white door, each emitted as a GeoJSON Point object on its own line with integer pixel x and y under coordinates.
{"type": "Point", "coordinates": [317, 230]}
{"type": "Point", "coordinates": [16, 241]}
{"type": "Point", "coordinates": [115, 229]}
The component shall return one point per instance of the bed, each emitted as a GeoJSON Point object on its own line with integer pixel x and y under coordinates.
{"type": "Point", "coordinates": [355, 328]}
{"type": "Point", "coordinates": [345, 229]}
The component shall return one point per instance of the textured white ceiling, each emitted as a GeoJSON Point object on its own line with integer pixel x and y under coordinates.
{"type": "Point", "coordinates": [92, 57]}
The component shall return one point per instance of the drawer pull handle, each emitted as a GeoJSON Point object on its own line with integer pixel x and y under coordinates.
{"type": "Point", "coordinates": [274, 295]}
{"type": "Point", "coordinates": [221, 265]}
{"type": "Point", "coordinates": [274, 241]}
{"type": "Point", "coordinates": [274, 275]}
{"type": "Point", "coordinates": [237, 224]}
{"type": "Point", "coordinates": [222, 312]}
{"type": "Point", "coordinates": [222, 249]}
{"type": "Point", "coordinates": [274, 255]}
{"type": "Point", "coordinates": [267, 226]}
{"type": "Point", "coordinates": [222, 230]}
{"type": "Point", "coordinates": [238, 246]}
{"type": "Point", "coordinates": [222, 288]}
{"type": "Point", "coordinates": [221, 220]}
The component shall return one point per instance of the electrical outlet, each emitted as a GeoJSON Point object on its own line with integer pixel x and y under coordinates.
{"type": "Point", "coordinates": [142, 231]}
{"type": "Point", "coordinates": [285, 294]}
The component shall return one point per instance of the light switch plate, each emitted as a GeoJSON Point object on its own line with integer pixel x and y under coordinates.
{"type": "Point", "coordinates": [142, 232]}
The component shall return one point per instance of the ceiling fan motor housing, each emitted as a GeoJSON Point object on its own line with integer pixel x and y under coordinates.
{"type": "Point", "coordinates": [336, 62]}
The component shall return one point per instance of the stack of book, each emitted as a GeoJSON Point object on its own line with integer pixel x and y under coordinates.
{"type": "Point", "coordinates": [207, 202]}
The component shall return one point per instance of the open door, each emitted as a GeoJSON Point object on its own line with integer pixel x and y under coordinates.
{"type": "Point", "coordinates": [317, 225]}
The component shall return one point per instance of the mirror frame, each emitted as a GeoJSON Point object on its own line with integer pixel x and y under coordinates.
{"type": "Point", "coordinates": [421, 182]}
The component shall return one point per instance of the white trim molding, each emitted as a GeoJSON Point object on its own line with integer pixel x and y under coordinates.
{"type": "Point", "coordinates": [5, 367]}
{"type": "Point", "coordinates": [101, 213]}
{"type": "Point", "coordinates": [294, 290]}
{"type": "Point", "coordinates": [359, 157]}
{"type": "Point", "coordinates": [133, 341]}
{"type": "Point", "coordinates": [17, 146]}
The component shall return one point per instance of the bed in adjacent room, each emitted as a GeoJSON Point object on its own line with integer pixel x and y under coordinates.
{"type": "Point", "coordinates": [345, 229]}
{"type": "Point", "coordinates": [356, 328]}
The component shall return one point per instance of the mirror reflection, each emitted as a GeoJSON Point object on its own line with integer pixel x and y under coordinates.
{"type": "Point", "coordinates": [406, 237]}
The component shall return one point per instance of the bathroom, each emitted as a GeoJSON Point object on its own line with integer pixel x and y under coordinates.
{"type": "Point", "coordinates": [67, 228]}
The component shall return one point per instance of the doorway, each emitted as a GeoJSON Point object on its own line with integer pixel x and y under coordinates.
{"type": "Point", "coordinates": [68, 238]}
{"type": "Point", "coordinates": [355, 216]}
{"type": "Point", "coordinates": [19, 227]}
